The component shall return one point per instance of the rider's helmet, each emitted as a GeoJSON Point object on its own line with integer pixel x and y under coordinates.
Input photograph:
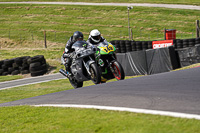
{"type": "Point", "coordinates": [77, 36]}
{"type": "Point", "coordinates": [95, 35]}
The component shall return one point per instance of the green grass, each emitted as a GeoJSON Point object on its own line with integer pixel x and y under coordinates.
{"type": "Point", "coordinates": [10, 77]}
{"type": "Point", "coordinates": [23, 119]}
{"type": "Point", "coordinates": [25, 24]}
{"type": "Point", "coordinates": [190, 2]}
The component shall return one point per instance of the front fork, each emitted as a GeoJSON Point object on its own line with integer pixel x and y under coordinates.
{"type": "Point", "coordinates": [110, 65]}
{"type": "Point", "coordinates": [87, 64]}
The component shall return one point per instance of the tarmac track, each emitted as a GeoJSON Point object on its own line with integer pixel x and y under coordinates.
{"type": "Point", "coordinates": [177, 91]}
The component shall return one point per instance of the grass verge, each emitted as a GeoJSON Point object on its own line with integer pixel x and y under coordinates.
{"type": "Point", "coordinates": [10, 77]}
{"type": "Point", "coordinates": [26, 23]}
{"type": "Point", "coordinates": [23, 119]}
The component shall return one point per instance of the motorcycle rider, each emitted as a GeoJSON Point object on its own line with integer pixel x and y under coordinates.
{"type": "Point", "coordinates": [95, 37]}
{"type": "Point", "coordinates": [77, 36]}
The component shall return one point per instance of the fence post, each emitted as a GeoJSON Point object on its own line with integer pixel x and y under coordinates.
{"type": "Point", "coordinates": [197, 28]}
{"type": "Point", "coordinates": [131, 34]}
{"type": "Point", "coordinates": [45, 39]}
{"type": "Point", "coordinates": [165, 34]}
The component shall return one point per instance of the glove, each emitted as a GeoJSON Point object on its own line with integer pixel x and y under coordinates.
{"type": "Point", "coordinates": [65, 55]}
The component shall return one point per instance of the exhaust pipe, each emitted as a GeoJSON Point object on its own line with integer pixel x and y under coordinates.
{"type": "Point", "coordinates": [63, 72]}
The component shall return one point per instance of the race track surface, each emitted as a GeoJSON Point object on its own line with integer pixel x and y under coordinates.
{"type": "Point", "coordinates": [28, 81]}
{"type": "Point", "coordinates": [177, 91]}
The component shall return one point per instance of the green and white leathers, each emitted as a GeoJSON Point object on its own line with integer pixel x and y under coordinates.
{"type": "Point", "coordinates": [106, 59]}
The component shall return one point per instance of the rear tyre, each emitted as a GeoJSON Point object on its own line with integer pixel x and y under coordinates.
{"type": "Point", "coordinates": [118, 71]}
{"type": "Point", "coordinates": [95, 73]}
{"type": "Point", "coordinates": [75, 83]}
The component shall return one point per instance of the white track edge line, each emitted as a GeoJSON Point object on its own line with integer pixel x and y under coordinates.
{"type": "Point", "coordinates": [134, 110]}
{"type": "Point", "coordinates": [49, 75]}
{"type": "Point", "coordinates": [29, 83]}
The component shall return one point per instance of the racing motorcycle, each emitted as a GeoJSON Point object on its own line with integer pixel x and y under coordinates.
{"type": "Point", "coordinates": [83, 66]}
{"type": "Point", "coordinates": [106, 60]}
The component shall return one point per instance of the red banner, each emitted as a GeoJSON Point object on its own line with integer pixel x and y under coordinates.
{"type": "Point", "coordinates": [162, 44]}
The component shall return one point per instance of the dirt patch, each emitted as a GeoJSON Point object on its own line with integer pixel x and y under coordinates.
{"type": "Point", "coordinates": [6, 43]}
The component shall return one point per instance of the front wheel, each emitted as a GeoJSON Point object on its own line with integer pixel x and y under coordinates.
{"type": "Point", "coordinates": [118, 70]}
{"type": "Point", "coordinates": [95, 73]}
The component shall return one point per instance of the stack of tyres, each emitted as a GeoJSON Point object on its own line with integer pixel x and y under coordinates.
{"type": "Point", "coordinates": [175, 43]}
{"type": "Point", "coordinates": [117, 46]}
{"type": "Point", "coordinates": [179, 44]}
{"type": "Point", "coordinates": [112, 42]}
{"type": "Point", "coordinates": [185, 43]}
{"type": "Point", "coordinates": [37, 66]}
{"type": "Point", "coordinates": [133, 45]}
{"type": "Point", "coordinates": [191, 42]}
{"type": "Point", "coordinates": [197, 41]}
{"type": "Point", "coordinates": [150, 45]}
{"type": "Point", "coordinates": [25, 65]}
{"type": "Point", "coordinates": [7, 66]}
{"type": "Point", "coordinates": [122, 46]}
{"type": "Point", "coordinates": [144, 45]}
{"type": "Point", "coordinates": [128, 46]}
{"type": "Point", "coordinates": [20, 65]}
{"type": "Point", "coordinates": [1, 70]}
{"type": "Point", "coordinates": [138, 46]}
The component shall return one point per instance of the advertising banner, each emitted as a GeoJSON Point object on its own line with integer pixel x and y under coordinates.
{"type": "Point", "coordinates": [162, 44]}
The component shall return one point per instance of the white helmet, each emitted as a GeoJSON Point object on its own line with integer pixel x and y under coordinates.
{"type": "Point", "coordinates": [95, 35]}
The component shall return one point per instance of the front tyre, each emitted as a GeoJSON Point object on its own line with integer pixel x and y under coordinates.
{"type": "Point", "coordinates": [95, 73]}
{"type": "Point", "coordinates": [118, 70]}
{"type": "Point", "coordinates": [75, 83]}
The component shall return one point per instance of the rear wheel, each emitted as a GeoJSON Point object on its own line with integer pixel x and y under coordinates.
{"type": "Point", "coordinates": [95, 73]}
{"type": "Point", "coordinates": [75, 83]}
{"type": "Point", "coordinates": [118, 70]}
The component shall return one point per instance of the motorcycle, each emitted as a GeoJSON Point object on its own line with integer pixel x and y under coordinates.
{"type": "Point", "coordinates": [83, 67]}
{"type": "Point", "coordinates": [106, 59]}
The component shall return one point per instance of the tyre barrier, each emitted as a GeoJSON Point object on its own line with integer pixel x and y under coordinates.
{"type": "Point", "coordinates": [35, 65]}
{"type": "Point", "coordinates": [123, 46]}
